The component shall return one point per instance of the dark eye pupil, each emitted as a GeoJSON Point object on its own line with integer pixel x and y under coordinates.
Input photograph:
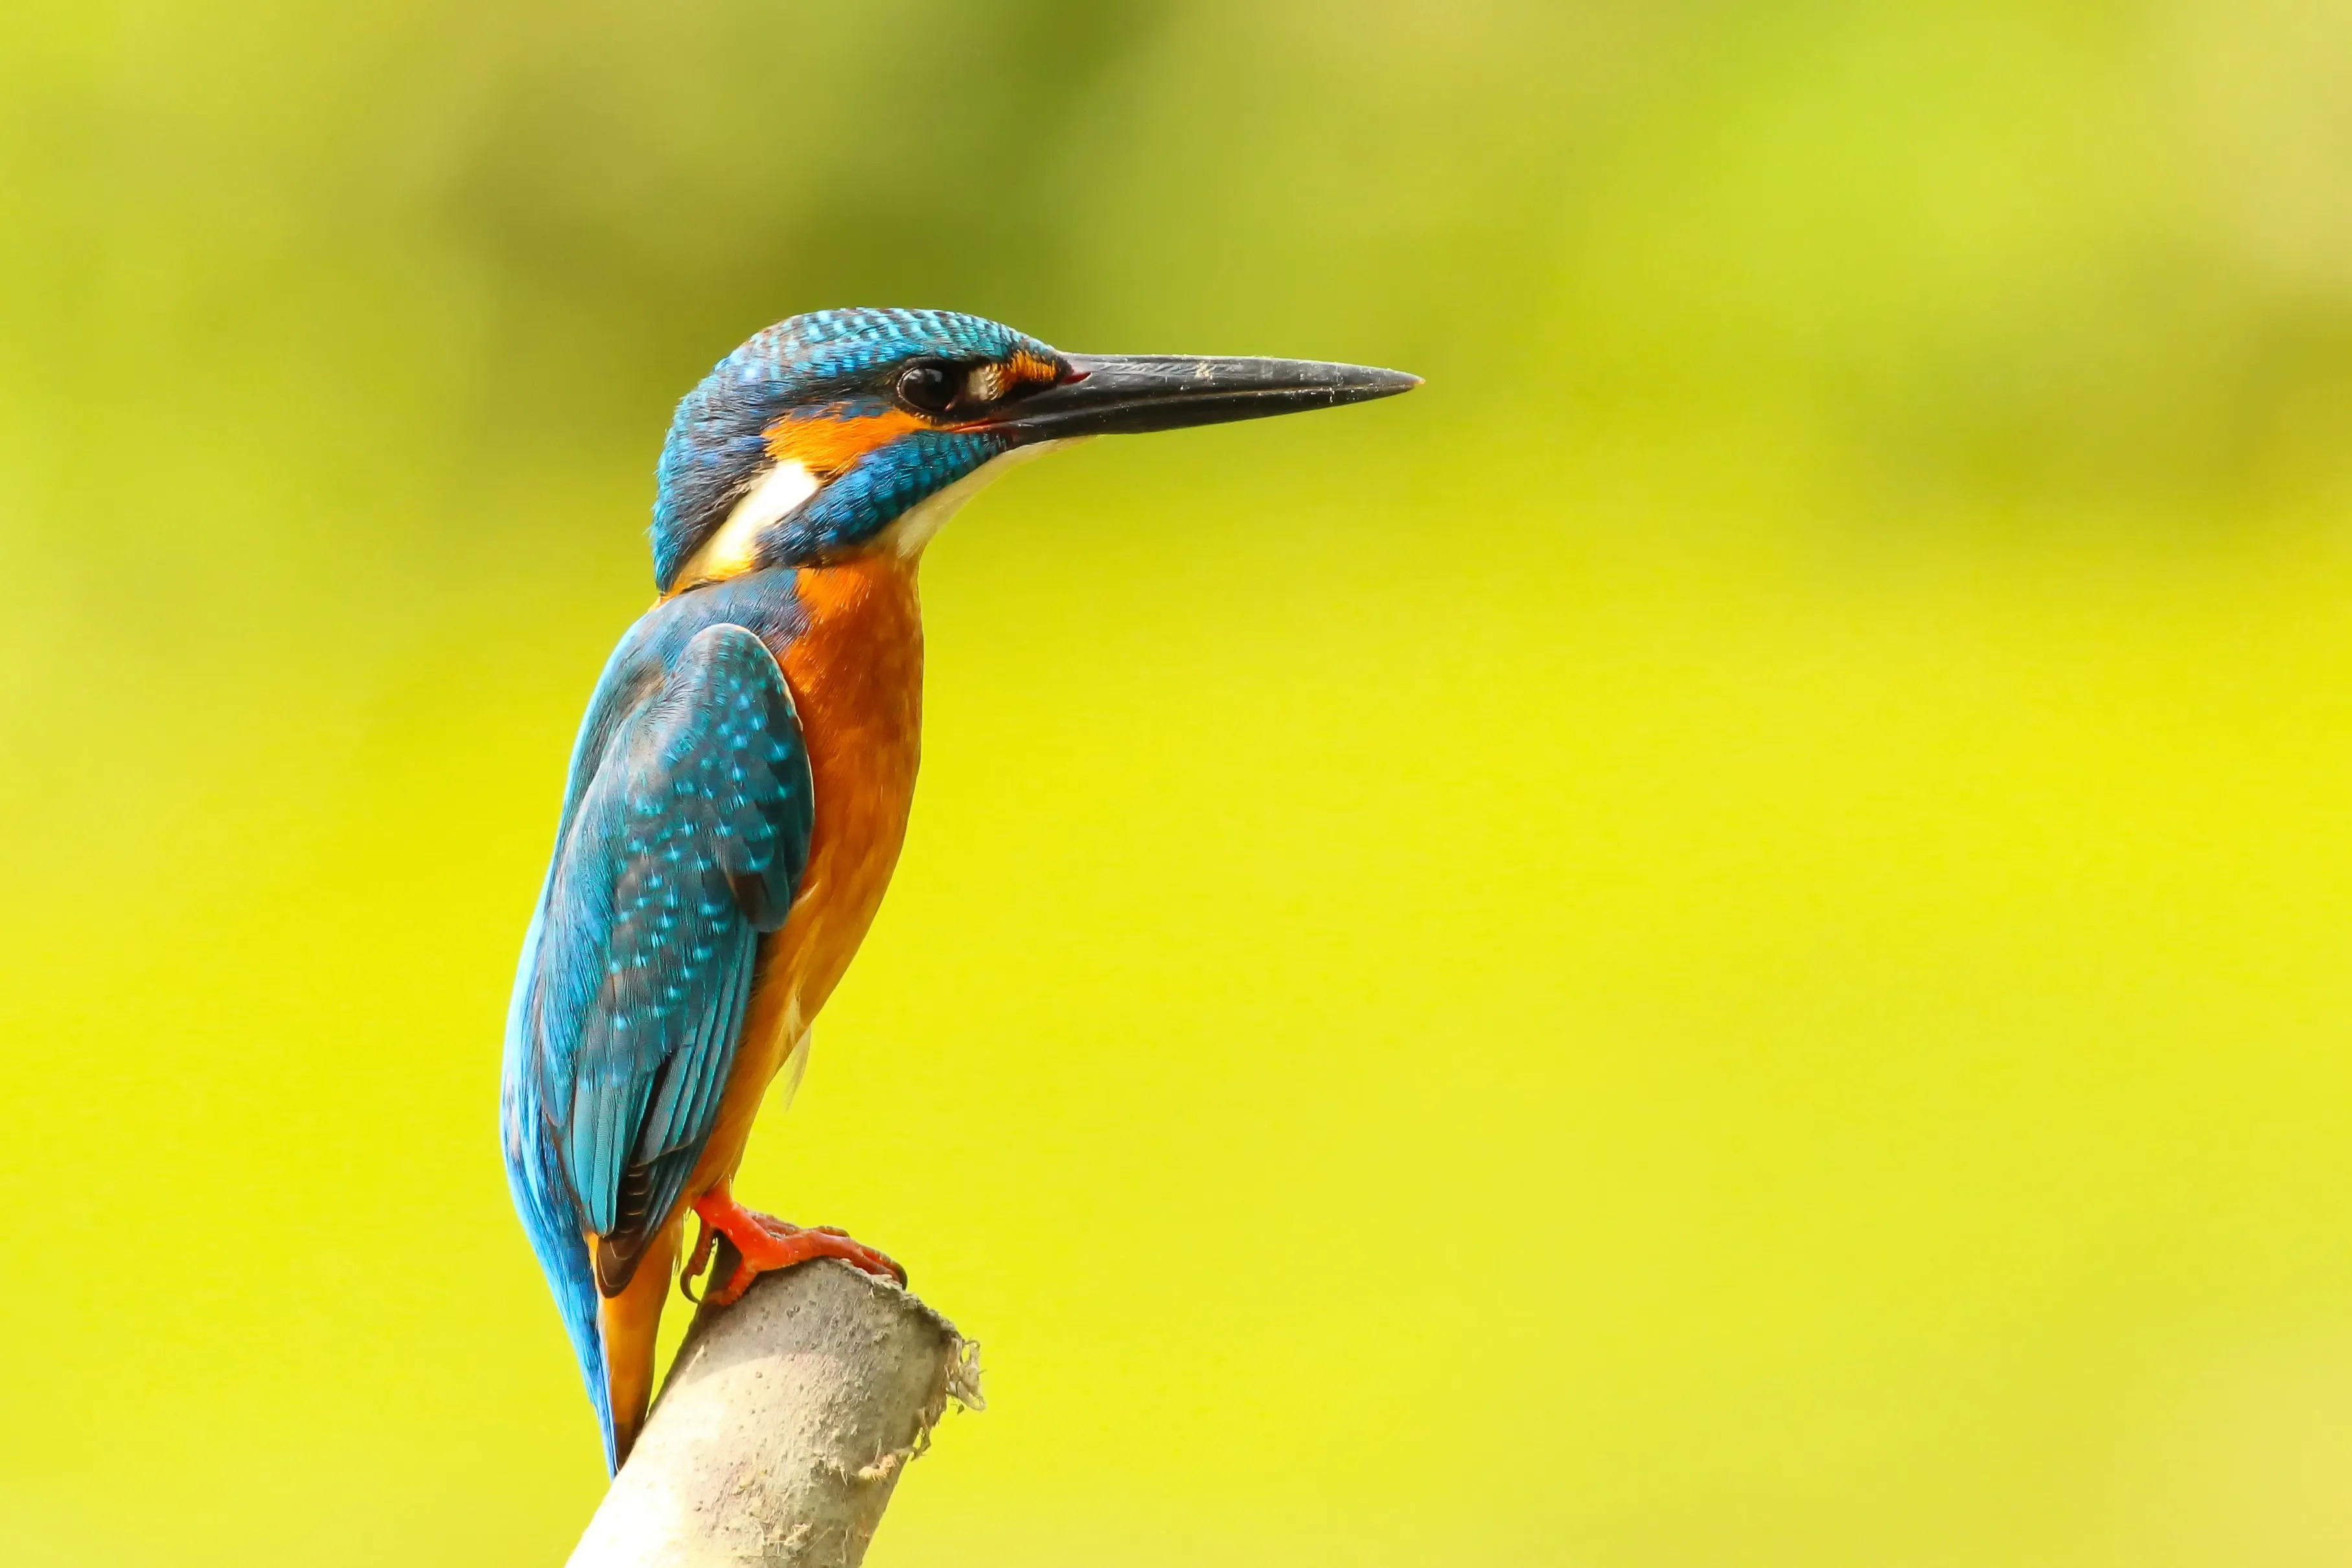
{"type": "Point", "coordinates": [930, 387]}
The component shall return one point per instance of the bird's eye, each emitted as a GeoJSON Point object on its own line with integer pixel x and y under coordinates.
{"type": "Point", "coordinates": [929, 386]}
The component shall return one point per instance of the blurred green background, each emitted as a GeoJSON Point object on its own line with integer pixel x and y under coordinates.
{"type": "Point", "coordinates": [1723, 939]}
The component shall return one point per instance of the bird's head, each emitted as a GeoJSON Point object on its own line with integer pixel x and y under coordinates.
{"type": "Point", "coordinates": [841, 432]}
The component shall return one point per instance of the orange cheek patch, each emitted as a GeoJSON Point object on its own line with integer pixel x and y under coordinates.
{"type": "Point", "coordinates": [826, 444]}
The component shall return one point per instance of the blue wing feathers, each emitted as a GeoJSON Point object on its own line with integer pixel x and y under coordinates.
{"type": "Point", "coordinates": [699, 789]}
{"type": "Point", "coordinates": [683, 836]}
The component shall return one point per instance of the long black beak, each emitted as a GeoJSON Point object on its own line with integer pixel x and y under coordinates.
{"type": "Point", "coordinates": [1129, 395]}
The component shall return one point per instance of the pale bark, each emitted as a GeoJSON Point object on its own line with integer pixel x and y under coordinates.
{"type": "Point", "coordinates": [784, 1425]}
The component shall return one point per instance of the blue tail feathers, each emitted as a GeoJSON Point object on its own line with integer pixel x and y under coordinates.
{"type": "Point", "coordinates": [543, 1202]}
{"type": "Point", "coordinates": [564, 1257]}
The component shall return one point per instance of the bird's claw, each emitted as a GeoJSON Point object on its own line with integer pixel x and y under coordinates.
{"type": "Point", "coordinates": [706, 1241]}
{"type": "Point", "coordinates": [767, 1243]}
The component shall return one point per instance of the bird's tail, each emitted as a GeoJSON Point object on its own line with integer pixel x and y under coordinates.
{"type": "Point", "coordinates": [543, 1193]}
{"type": "Point", "coordinates": [543, 1202]}
{"type": "Point", "coordinates": [627, 1324]}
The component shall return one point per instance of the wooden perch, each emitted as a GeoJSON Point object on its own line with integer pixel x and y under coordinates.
{"type": "Point", "coordinates": [783, 1426]}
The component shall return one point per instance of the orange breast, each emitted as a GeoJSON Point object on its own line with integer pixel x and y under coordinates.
{"type": "Point", "coordinates": [856, 677]}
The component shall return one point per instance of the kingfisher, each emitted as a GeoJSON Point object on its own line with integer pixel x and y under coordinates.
{"type": "Point", "coordinates": [739, 788]}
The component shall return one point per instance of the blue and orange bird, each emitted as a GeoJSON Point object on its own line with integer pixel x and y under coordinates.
{"type": "Point", "coordinates": [741, 784]}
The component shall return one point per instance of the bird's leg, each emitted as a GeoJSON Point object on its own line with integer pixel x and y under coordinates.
{"type": "Point", "coordinates": [767, 1243]}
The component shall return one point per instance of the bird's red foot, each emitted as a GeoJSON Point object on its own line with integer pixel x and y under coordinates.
{"type": "Point", "coordinates": [767, 1242]}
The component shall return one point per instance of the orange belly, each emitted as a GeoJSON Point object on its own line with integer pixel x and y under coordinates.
{"type": "Point", "coordinates": [856, 678]}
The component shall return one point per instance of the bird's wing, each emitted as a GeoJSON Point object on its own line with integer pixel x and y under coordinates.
{"type": "Point", "coordinates": [687, 843]}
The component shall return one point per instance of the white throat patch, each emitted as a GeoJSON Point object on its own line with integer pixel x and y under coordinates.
{"type": "Point", "coordinates": [919, 523]}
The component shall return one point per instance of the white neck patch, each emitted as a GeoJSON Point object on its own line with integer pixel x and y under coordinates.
{"type": "Point", "coordinates": [732, 550]}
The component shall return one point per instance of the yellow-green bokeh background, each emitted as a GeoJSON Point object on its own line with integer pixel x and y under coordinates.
{"type": "Point", "coordinates": [1723, 939]}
